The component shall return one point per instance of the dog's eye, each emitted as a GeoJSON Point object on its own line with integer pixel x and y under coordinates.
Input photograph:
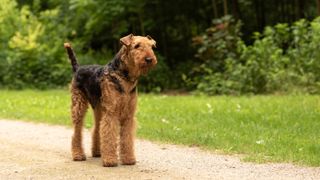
{"type": "Point", "coordinates": [137, 46]}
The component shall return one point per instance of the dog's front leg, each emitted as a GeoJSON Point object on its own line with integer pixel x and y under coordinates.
{"type": "Point", "coordinates": [127, 133]}
{"type": "Point", "coordinates": [109, 131]}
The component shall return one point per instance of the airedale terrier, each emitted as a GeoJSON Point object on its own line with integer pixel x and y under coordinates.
{"type": "Point", "coordinates": [111, 92]}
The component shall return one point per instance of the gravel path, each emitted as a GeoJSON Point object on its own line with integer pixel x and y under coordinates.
{"type": "Point", "coordinates": [38, 151]}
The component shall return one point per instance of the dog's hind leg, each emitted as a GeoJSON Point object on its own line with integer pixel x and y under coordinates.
{"type": "Point", "coordinates": [79, 106]}
{"type": "Point", "coordinates": [95, 134]}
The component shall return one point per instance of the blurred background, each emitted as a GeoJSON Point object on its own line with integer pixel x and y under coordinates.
{"type": "Point", "coordinates": [209, 47]}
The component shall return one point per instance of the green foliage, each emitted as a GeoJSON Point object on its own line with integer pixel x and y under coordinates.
{"type": "Point", "coordinates": [32, 52]}
{"type": "Point", "coordinates": [102, 17]}
{"type": "Point", "coordinates": [305, 55]}
{"type": "Point", "coordinates": [32, 55]}
{"type": "Point", "coordinates": [218, 43]}
{"type": "Point", "coordinates": [217, 47]}
{"type": "Point", "coordinates": [7, 28]}
{"type": "Point", "coordinates": [263, 128]}
{"type": "Point", "coordinates": [282, 59]}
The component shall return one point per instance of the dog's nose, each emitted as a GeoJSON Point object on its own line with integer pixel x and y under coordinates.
{"type": "Point", "coordinates": [148, 60]}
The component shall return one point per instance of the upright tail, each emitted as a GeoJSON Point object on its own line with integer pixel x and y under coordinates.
{"type": "Point", "coordinates": [72, 57]}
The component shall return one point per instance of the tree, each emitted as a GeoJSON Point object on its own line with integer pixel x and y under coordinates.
{"type": "Point", "coordinates": [318, 7]}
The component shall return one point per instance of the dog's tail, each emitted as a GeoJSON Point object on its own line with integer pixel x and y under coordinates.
{"type": "Point", "coordinates": [72, 57]}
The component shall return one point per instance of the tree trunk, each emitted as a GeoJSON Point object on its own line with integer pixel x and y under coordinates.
{"type": "Point", "coordinates": [292, 12]}
{"type": "Point", "coordinates": [260, 14]}
{"type": "Point", "coordinates": [235, 9]}
{"type": "Point", "coordinates": [162, 14]}
{"type": "Point", "coordinates": [299, 8]}
{"type": "Point", "coordinates": [282, 19]}
{"type": "Point", "coordinates": [141, 24]}
{"type": "Point", "coordinates": [318, 7]}
{"type": "Point", "coordinates": [263, 14]}
{"type": "Point", "coordinates": [256, 7]}
{"type": "Point", "coordinates": [225, 7]}
{"type": "Point", "coordinates": [285, 11]}
{"type": "Point", "coordinates": [215, 9]}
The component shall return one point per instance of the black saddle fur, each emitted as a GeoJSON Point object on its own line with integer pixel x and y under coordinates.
{"type": "Point", "coordinates": [87, 79]}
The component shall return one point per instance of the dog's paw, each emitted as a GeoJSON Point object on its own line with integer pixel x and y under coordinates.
{"type": "Point", "coordinates": [129, 162]}
{"type": "Point", "coordinates": [79, 157]}
{"type": "Point", "coordinates": [109, 164]}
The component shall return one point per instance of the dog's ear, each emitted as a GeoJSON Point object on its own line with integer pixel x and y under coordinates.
{"type": "Point", "coordinates": [152, 40]}
{"type": "Point", "coordinates": [126, 40]}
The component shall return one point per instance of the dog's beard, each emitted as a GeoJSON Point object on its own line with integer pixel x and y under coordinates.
{"type": "Point", "coordinates": [144, 69]}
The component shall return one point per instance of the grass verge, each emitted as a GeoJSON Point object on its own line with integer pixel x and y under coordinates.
{"type": "Point", "coordinates": [264, 128]}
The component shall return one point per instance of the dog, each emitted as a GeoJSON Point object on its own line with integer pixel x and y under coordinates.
{"type": "Point", "coordinates": [111, 90]}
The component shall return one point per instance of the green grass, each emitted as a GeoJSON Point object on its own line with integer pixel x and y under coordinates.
{"type": "Point", "coordinates": [263, 128]}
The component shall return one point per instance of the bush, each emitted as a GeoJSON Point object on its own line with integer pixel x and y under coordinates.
{"type": "Point", "coordinates": [216, 46]}
{"type": "Point", "coordinates": [305, 55]}
{"type": "Point", "coordinates": [282, 59]}
{"type": "Point", "coordinates": [32, 54]}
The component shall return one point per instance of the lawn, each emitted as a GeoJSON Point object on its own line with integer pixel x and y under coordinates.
{"type": "Point", "coordinates": [263, 128]}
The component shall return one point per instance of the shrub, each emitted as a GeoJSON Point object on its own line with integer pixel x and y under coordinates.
{"type": "Point", "coordinates": [32, 48]}
{"type": "Point", "coordinates": [305, 55]}
{"type": "Point", "coordinates": [282, 59]}
{"type": "Point", "coordinates": [215, 47]}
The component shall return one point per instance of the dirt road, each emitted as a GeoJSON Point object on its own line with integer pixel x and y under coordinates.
{"type": "Point", "coordinates": [37, 151]}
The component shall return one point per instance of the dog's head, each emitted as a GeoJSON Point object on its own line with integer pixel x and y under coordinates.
{"type": "Point", "coordinates": [138, 53]}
